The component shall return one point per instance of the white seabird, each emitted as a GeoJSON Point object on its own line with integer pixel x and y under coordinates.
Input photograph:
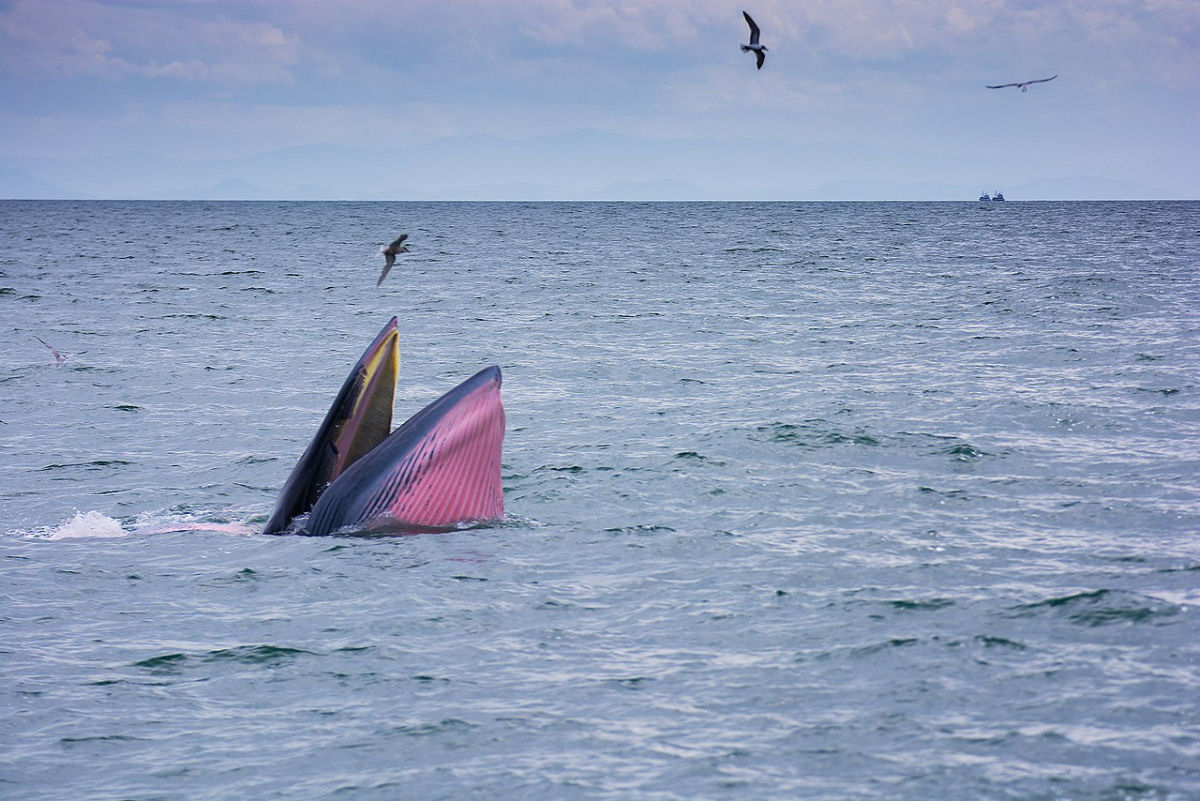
{"type": "Point", "coordinates": [58, 357]}
{"type": "Point", "coordinates": [760, 51]}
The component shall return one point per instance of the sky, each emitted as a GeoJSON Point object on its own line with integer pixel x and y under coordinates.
{"type": "Point", "coordinates": [223, 79]}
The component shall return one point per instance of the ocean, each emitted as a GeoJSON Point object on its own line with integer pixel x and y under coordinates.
{"type": "Point", "coordinates": [803, 500]}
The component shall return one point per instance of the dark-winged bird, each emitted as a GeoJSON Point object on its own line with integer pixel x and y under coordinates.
{"type": "Point", "coordinates": [1023, 84]}
{"type": "Point", "coordinates": [760, 51]}
{"type": "Point", "coordinates": [389, 255]}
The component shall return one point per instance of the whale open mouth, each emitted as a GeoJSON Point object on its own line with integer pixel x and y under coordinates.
{"type": "Point", "coordinates": [441, 468]}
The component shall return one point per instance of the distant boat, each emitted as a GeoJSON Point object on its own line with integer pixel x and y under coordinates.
{"type": "Point", "coordinates": [985, 197]}
{"type": "Point", "coordinates": [998, 197]}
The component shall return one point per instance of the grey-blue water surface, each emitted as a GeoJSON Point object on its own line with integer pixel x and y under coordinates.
{"type": "Point", "coordinates": [820, 501]}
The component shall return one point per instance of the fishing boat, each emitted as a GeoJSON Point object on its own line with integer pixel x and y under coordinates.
{"type": "Point", "coordinates": [985, 197]}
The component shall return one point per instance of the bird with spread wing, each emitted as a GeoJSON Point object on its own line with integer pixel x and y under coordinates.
{"type": "Point", "coordinates": [760, 51]}
{"type": "Point", "coordinates": [389, 256]}
{"type": "Point", "coordinates": [1022, 85]}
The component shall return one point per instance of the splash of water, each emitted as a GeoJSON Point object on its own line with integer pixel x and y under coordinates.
{"type": "Point", "coordinates": [84, 524]}
{"type": "Point", "coordinates": [94, 524]}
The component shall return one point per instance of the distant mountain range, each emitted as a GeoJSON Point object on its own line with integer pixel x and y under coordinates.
{"type": "Point", "coordinates": [585, 165]}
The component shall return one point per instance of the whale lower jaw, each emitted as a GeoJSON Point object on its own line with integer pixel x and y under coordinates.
{"type": "Point", "coordinates": [439, 470]}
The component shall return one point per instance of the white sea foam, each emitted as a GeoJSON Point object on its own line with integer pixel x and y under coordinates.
{"type": "Point", "coordinates": [162, 522]}
{"type": "Point", "coordinates": [85, 524]}
{"type": "Point", "coordinates": [93, 524]}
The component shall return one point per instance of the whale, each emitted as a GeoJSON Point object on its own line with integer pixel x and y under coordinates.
{"type": "Point", "coordinates": [438, 471]}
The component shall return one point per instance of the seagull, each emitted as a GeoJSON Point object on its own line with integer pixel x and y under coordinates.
{"type": "Point", "coordinates": [58, 357]}
{"type": "Point", "coordinates": [1024, 84]}
{"type": "Point", "coordinates": [760, 51]}
{"type": "Point", "coordinates": [389, 254]}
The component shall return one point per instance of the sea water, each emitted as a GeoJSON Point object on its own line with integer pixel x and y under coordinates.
{"type": "Point", "coordinates": [822, 501]}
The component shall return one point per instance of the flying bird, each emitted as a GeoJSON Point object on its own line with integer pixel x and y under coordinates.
{"type": "Point", "coordinates": [1023, 84]}
{"type": "Point", "coordinates": [760, 51]}
{"type": "Point", "coordinates": [58, 357]}
{"type": "Point", "coordinates": [389, 255]}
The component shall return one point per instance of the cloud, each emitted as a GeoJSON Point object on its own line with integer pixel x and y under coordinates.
{"type": "Point", "coordinates": [260, 42]}
{"type": "Point", "coordinates": [236, 76]}
{"type": "Point", "coordinates": [98, 40]}
{"type": "Point", "coordinates": [646, 26]}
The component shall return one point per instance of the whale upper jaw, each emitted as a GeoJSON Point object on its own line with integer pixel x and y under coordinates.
{"type": "Point", "coordinates": [359, 419]}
